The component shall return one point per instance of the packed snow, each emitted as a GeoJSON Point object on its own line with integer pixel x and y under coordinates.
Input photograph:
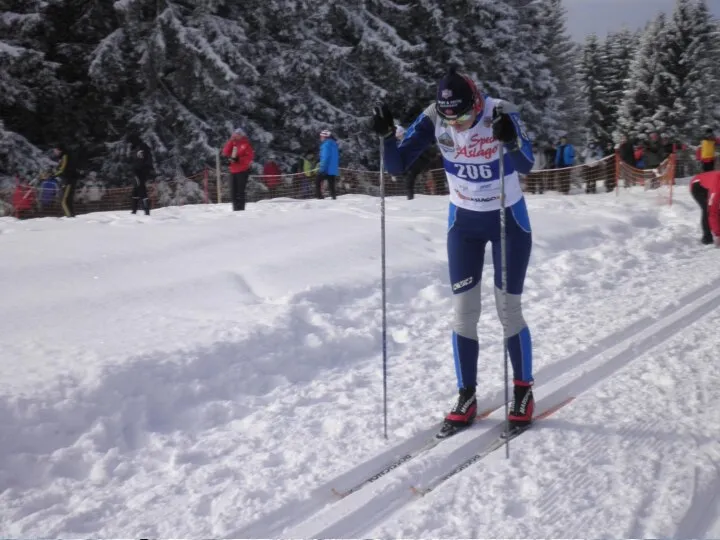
{"type": "Point", "coordinates": [204, 373]}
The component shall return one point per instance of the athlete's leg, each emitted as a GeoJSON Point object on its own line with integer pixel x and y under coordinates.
{"type": "Point", "coordinates": [466, 254]}
{"type": "Point", "coordinates": [519, 245]}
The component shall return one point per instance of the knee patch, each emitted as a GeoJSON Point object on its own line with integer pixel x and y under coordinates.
{"type": "Point", "coordinates": [515, 320]}
{"type": "Point", "coordinates": [466, 308]}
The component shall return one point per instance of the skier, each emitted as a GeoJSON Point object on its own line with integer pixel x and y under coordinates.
{"type": "Point", "coordinates": [142, 166]}
{"type": "Point", "coordinates": [705, 189]}
{"type": "Point", "coordinates": [468, 128]}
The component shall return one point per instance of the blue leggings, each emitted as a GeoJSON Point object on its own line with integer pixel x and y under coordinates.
{"type": "Point", "coordinates": [468, 234]}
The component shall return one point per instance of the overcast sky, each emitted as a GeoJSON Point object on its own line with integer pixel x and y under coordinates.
{"type": "Point", "coordinates": [599, 16]}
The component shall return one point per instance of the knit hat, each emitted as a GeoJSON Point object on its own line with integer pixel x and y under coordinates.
{"type": "Point", "coordinates": [239, 131]}
{"type": "Point", "coordinates": [456, 95]}
{"type": "Point", "coordinates": [325, 133]}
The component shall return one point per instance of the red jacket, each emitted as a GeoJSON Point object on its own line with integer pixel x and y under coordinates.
{"type": "Point", "coordinates": [245, 154]}
{"type": "Point", "coordinates": [271, 172]}
{"type": "Point", "coordinates": [23, 197]}
{"type": "Point", "coordinates": [711, 182]}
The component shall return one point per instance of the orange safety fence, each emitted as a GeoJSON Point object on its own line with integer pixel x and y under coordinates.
{"type": "Point", "coordinates": [203, 187]}
{"type": "Point", "coordinates": [660, 180]}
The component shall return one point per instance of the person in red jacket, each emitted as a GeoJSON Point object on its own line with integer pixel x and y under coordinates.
{"type": "Point", "coordinates": [240, 153]}
{"type": "Point", "coordinates": [705, 189]}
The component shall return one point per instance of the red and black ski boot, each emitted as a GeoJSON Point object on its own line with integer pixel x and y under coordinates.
{"type": "Point", "coordinates": [462, 414]}
{"type": "Point", "coordinates": [523, 406]}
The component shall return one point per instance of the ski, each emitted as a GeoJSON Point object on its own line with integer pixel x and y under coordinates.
{"type": "Point", "coordinates": [491, 447]}
{"type": "Point", "coordinates": [397, 462]}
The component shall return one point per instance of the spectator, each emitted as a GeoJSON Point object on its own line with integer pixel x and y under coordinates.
{"type": "Point", "coordinates": [668, 145]}
{"type": "Point", "coordinates": [48, 191]}
{"type": "Point", "coordinates": [536, 177]}
{"type": "Point", "coordinates": [705, 189]}
{"type": "Point", "coordinates": [66, 176]}
{"type": "Point", "coordinates": [564, 160]}
{"type": "Point", "coordinates": [627, 151]}
{"type": "Point", "coordinates": [610, 167]}
{"type": "Point", "coordinates": [142, 167]}
{"type": "Point", "coordinates": [240, 153]}
{"type": "Point", "coordinates": [271, 175]}
{"type": "Point", "coordinates": [23, 198]}
{"type": "Point", "coordinates": [654, 153]}
{"type": "Point", "coordinates": [329, 164]}
{"type": "Point", "coordinates": [706, 151]}
{"type": "Point", "coordinates": [549, 176]}
{"type": "Point", "coordinates": [593, 155]}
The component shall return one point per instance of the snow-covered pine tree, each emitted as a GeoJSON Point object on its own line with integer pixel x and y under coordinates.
{"type": "Point", "coordinates": [533, 83]}
{"type": "Point", "coordinates": [565, 110]}
{"type": "Point", "coordinates": [640, 104]}
{"type": "Point", "coordinates": [182, 76]}
{"type": "Point", "coordinates": [27, 80]}
{"type": "Point", "coordinates": [619, 50]}
{"type": "Point", "coordinates": [693, 54]}
{"type": "Point", "coordinates": [593, 76]}
{"type": "Point", "coordinates": [350, 55]}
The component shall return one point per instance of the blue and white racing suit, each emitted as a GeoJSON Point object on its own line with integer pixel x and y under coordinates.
{"type": "Point", "coordinates": [472, 169]}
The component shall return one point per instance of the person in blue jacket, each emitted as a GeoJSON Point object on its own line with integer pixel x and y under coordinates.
{"type": "Point", "coordinates": [329, 164]}
{"type": "Point", "coordinates": [564, 160]}
{"type": "Point", "coordinates": [469, 127]}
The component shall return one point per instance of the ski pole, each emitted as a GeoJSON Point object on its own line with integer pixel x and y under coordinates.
{"type": "Point", "coordinates": [503, 295]}
{"type": "Point", "coordinates": [383, 283]}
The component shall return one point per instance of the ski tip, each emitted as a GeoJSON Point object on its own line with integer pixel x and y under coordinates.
{"type": "Point", "coordinates": [417, 491]}
{"type": "Point", "coordinates": [554, 408]}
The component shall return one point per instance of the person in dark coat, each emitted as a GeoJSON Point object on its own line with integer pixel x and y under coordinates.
{"type": "Point", "coordinates": [142, 167]}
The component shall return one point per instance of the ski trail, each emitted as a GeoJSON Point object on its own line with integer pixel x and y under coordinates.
{"type": "Point", "coordinates": [364, 510]}
{"type": "Point", "coordinates": [703, 509]}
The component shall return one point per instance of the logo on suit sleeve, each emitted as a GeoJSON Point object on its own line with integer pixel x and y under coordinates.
{"type": "Point", "coordinates": [446, 141]}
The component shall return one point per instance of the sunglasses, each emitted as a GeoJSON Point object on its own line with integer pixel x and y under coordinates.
{"type": "Point", "coordinates": [459, 119]}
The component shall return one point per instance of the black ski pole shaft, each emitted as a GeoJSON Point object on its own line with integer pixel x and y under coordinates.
{"type": "Point", "coordinates": [383, 284]}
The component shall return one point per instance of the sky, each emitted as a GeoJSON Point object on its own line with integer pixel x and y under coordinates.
{"type": "Point", "coordinates": [601, 16]}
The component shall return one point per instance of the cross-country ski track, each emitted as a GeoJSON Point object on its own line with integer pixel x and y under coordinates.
{"type": "Point", "coordinates": [357, 514]}
{"type": "Point", "coordinates": [229, 365]}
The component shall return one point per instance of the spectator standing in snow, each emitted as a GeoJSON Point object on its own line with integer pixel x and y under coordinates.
{"type": "Point", "coordinates": [240, 153]}
{"type": "Point", "coordinates": [536, 177]}
{"type": "Point", "coordinates": [564, 160]}
{"type": "Point", "coordinates": [706, 151]}
{"type": "Point", "coordinates": [626, 150]}
{"type": "Point", "coordinates": [593, 166]}
{"type": "Point", "coordinates": [272, 176]}
{"type": "Point", "coordinates": [705, 189]}
{"type": "Point", "coordinates": [142, 167]}
{"type": "Point", "coordinates": [654, 153]}
{"type": "Point", "coordinates": [67, 176]}
{"type": "Point", "coordinates": [329, 164]}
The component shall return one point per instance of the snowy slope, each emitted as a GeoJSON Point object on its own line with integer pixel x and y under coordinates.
{"type": "Point", "coordinates": [202, 373]}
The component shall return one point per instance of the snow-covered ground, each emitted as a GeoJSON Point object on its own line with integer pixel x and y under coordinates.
{"type": "Point", "coordinates": [206, 373]}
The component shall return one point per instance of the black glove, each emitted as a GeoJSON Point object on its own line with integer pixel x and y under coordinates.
{"type": "Point", "coordinates": [382, 121]}
{"type": "Point", "coordinates": [503, 127]}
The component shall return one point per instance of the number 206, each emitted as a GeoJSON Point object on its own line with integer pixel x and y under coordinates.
{"type": "Point", "coordinates": [474, 172]}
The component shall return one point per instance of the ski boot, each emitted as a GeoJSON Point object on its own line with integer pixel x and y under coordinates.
{"type": "Point", "coordinates": [523, 406]}
{"type": "Point", "coordinates": [462, 414]}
